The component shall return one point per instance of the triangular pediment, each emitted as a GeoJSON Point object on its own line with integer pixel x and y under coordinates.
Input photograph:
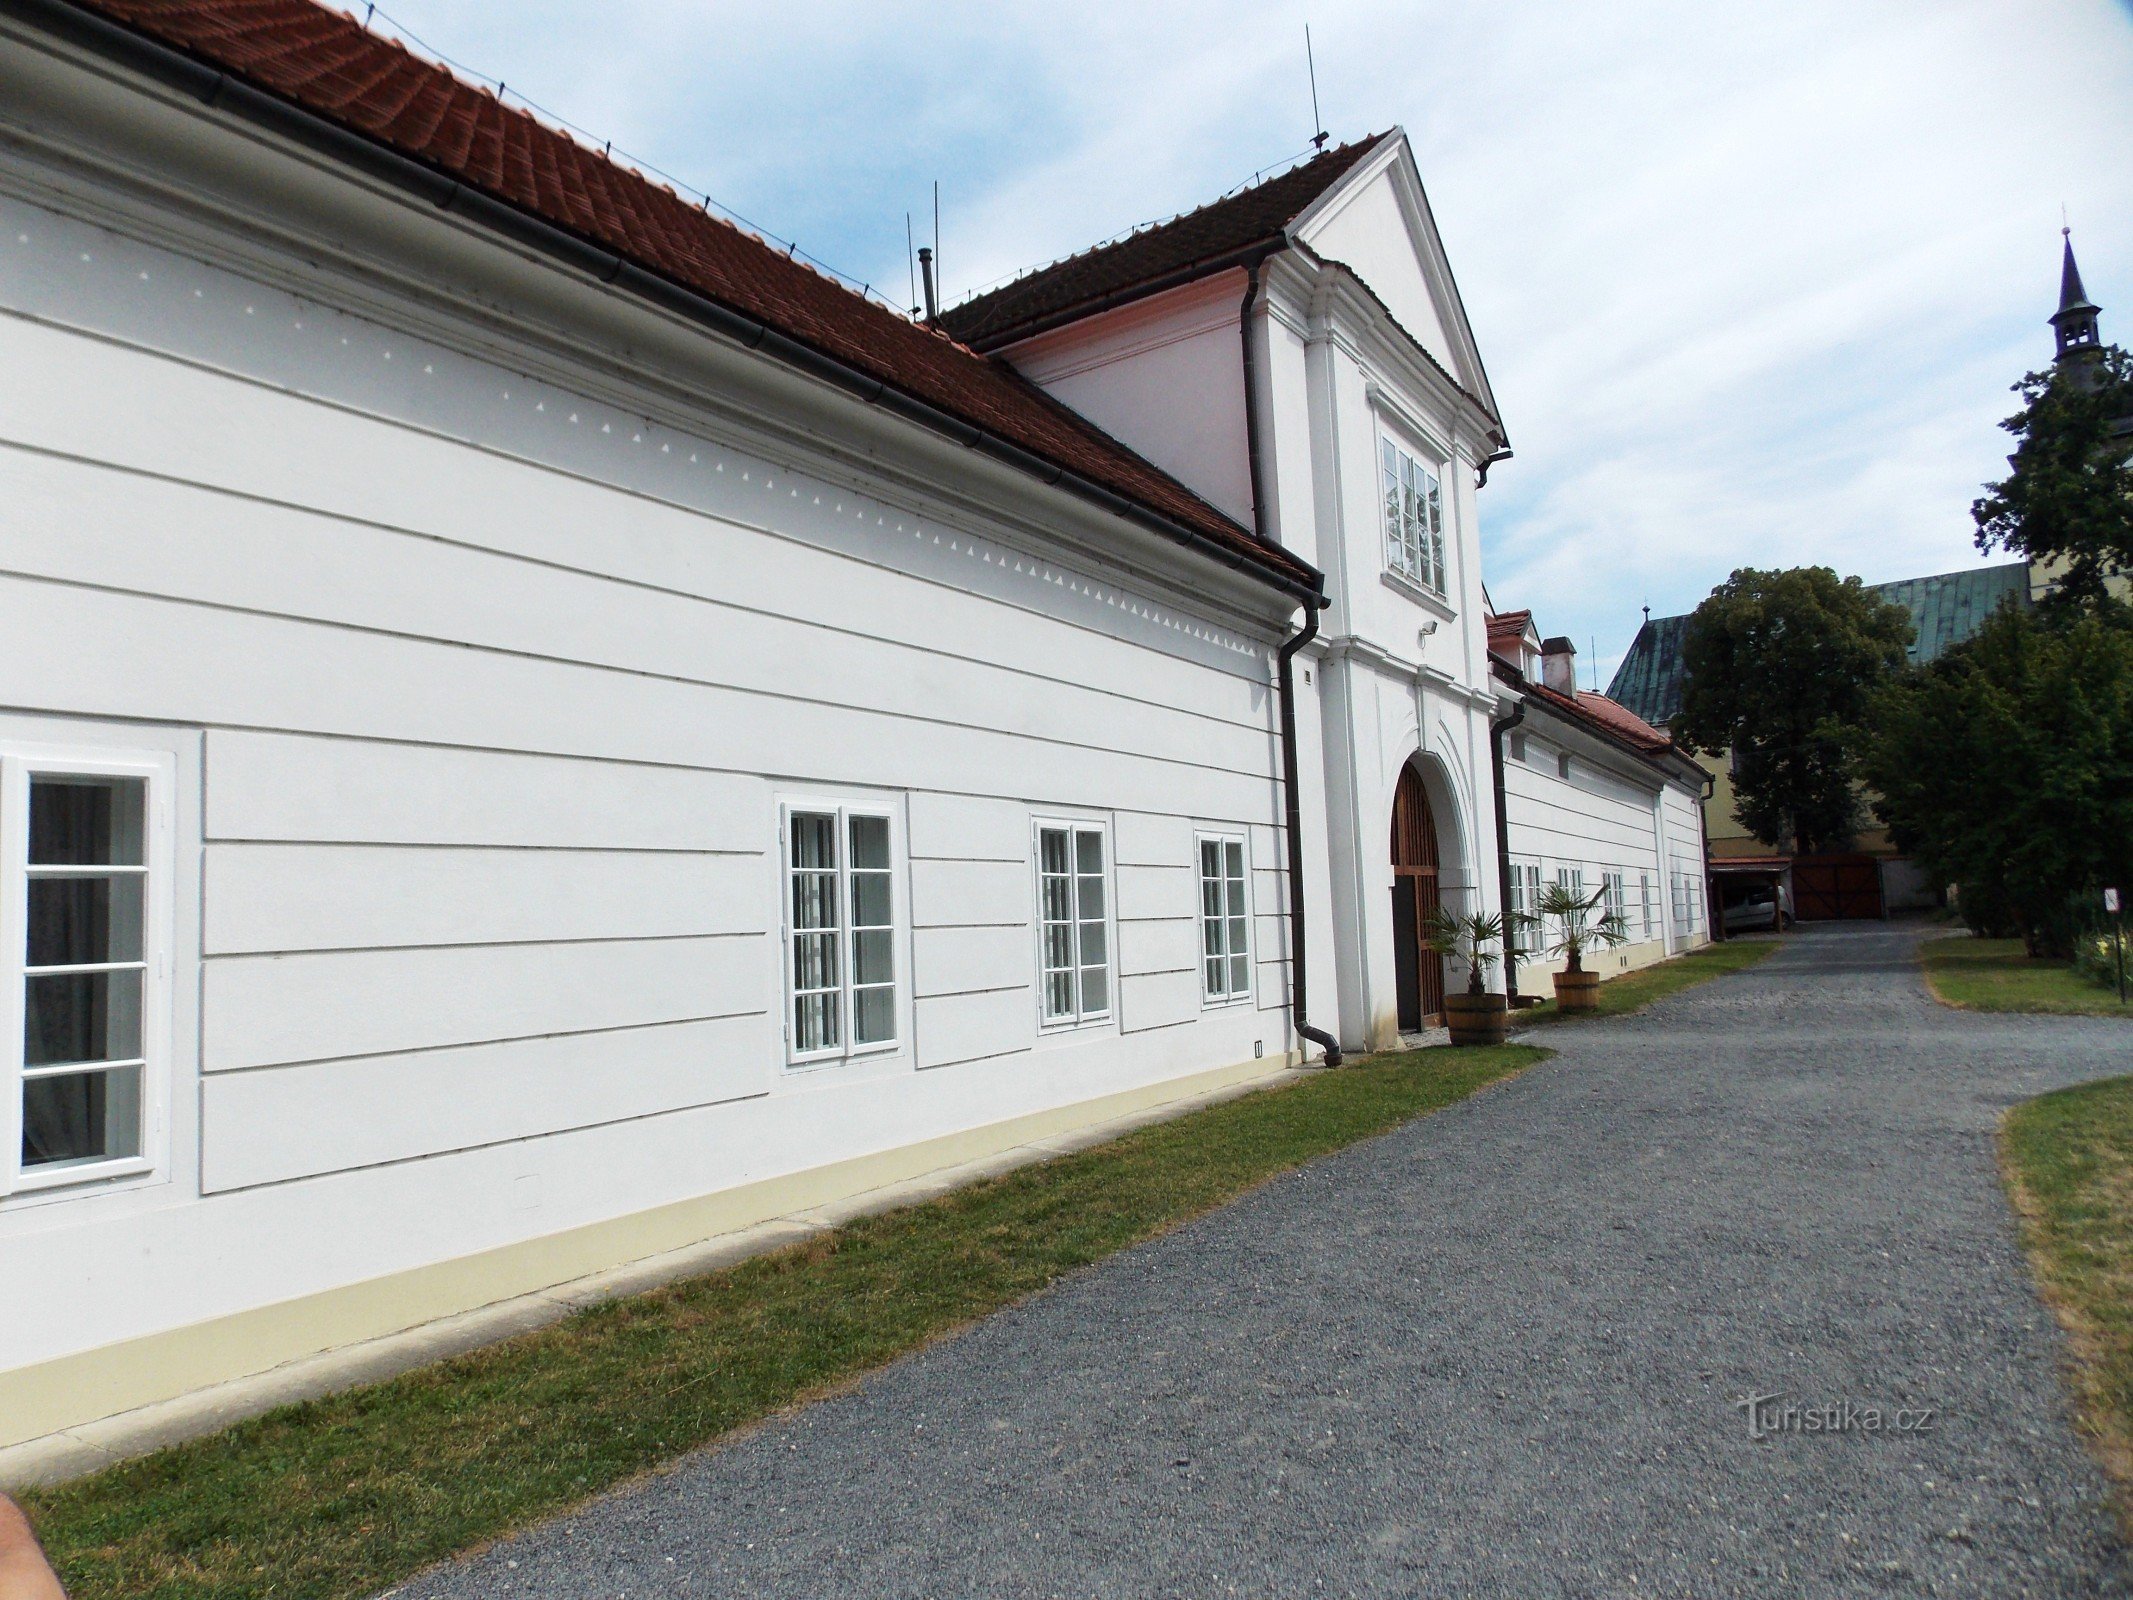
{"type": "Point", "coordinates": [1376, 222]}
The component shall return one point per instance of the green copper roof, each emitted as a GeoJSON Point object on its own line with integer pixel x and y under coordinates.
{"type": "Point", "coordinates": [1946, 609]}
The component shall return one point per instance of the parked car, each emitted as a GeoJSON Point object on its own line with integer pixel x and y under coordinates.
{"type": "Point", "coordinates": [1752, 905]}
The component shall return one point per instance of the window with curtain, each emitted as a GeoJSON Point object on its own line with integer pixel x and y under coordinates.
{"type": "Point", "coordinates": [1074, 929]}
{"type": "Point", "coordinates": [1225, 920]}
{"type": "Point", "coordinates": [82, 876]}
{"type": "Point", "coordinates": [1414, 517]}
{"type": "Point", "coordinates": [842, 932]}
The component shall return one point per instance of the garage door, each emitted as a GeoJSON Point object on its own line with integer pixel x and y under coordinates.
{"type": "Point", "coordinates": [1835, 888]}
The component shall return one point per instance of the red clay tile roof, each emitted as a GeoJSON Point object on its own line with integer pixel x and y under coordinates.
{"type": "Point", "coordinates": [1609, 715]}
{"type": "Point", "coordinates": [1506, 630]}
{"type": "Point", "coordinates": [1221, 229]}
{"type": "Point", "coordinates": [329, 65]}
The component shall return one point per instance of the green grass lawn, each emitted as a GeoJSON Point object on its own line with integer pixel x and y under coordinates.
{"type": "Point", "coordinates": [344, 1495]}
{"type": "Point", "coordinates": [1994, 975]}
{"type": "Point", "coordinates": [1633, 991]}
{"type": "Point", "coordinates": [2068, 1162]}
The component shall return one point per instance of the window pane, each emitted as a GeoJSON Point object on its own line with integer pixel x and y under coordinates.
{"type": "Point", "coordinates": [81, 1116]}
{"type": "Point", "coordinates": [1233, 858]}
{"type": "Point", "coordinates": [1236, 936]}
{"type": "Point", "coordinates": [84, 821]}
{"type": "Point", "coordinates": [74, 921]}
{"type": "Point", "coordinates": [82, 1016]}
{"type": "Point", "coordinates": [1058, 944]}
{"type": "Point", "coordinates": [1210, 897]}
{"type": "Point", "coordinates": [1058, 899]}
{"type": "Point", "coordinates": [814, 961]}
{"type": "Point", "coordinates": [1211, 936]}
{"type": "Point", "coordinates": [1240, 974]}
{"type": "Point", "coordinates": [1210, 858]}
{"type": "Point", "coordinates": [872, 958]}
{"type": "Point", "coordinates": [1236, 897]}
{"type": "Point", "coordinates": [814, 1018]}
{"type": "Point", "coordinates": [1059, 994]}
{"type": "Point", "coordinates": [1215, 969]}
{"type": "Point", "coordinates": [870, 900]}
{"type": "Point", "coordinates": [873, 1016]}
{"type": "Point", "coordinates": [1095, 991]}
{"type": "Point", "coordinates": [870, 842]}
{"type": "Point", "coordinates": [1053, 849]}
{"type": "Point", "coordinates": [1092, 897]}
{"type": "Point", "coordinates": [1089, 851]}
{"type": "Point", "coordinates": [1092, 944]}
{"type": "Point", "coordinates": [814, 841]}
{"type": "Point", "coordinates": [814, 900]}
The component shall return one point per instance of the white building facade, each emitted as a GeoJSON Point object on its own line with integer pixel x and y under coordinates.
{"type": "Point", "coordinates": [537, 731]}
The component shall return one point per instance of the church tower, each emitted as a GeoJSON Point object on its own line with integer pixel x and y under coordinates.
{"type": "Point", "coordinates": [2074, 323]}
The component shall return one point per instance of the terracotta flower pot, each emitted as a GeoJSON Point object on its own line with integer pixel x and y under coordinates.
{"type": "Point", "coordinates": [1577, 991]}
{"type": "Point", "coordinates": [1476, 1018]}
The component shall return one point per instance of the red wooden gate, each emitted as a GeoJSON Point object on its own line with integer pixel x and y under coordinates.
{"type": "Point", "coordinates": [1835, 888]}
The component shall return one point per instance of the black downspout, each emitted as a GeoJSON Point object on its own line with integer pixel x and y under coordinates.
{"type": "Point", "coordinates": [1292, 803]}
{"type": "Point", "coordinates": [1497, 729]}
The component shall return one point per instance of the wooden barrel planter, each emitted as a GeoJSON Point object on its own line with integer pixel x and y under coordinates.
{"type": "Point", "coordinates": [1476, 1018]}
{"type": "Point", "coordinates": [1577, 991]}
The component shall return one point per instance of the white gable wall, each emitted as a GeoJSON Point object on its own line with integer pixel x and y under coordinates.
{"type": "Point", "coordinates": [1363, 227]}
{"type": "Point", "coordinates": [1166, 375]}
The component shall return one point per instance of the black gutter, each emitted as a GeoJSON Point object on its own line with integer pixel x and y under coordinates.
{"type": "Point", "coordinates": [1292, 804]}
{"type": "Point", "coordinates": [219, 90]}
{"type": "Point", "coordinates": [1497, 729]}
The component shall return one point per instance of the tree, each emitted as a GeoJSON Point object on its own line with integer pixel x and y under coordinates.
{"type": "Point", "coordinates": [2070, 495]}
{"type": "Point", "coordinates": [2006, 768]}
{"type": "Point", "coordinates": [1780, 669]}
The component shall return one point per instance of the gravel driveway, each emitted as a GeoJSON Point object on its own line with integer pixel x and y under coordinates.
{"type": "Point", "coordinates": [1497, 1352]}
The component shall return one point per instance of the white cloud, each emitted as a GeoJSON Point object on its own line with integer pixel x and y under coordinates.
{"type": "Point", "coordinates": [1751, 282]}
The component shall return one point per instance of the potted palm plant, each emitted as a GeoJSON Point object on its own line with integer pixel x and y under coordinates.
{"type": "Point", "coordinates": [1565, 908]}
{"type": "Point", "coordinates": [1477, 1016]}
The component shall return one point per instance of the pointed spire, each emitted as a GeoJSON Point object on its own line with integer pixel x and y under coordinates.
{"type": "Point", "coordinates": [2074, 323]}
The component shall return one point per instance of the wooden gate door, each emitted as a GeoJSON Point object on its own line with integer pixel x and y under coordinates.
{"type": "Point", "coordinates": [1418, 972]}
{"type": "Point", "coordinates": [1835, 888]}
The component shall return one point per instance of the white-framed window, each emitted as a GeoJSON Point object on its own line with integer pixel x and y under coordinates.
{"type": "Point", "coordinates": [1688, 903]}
{"type": "Point", "coordinates": [1644, 896]}
{"type": "Point", "coordinates": [1414, 516]}
{"type": "Point", "coordinates": [1225, 920]}
{"type": "Point", "coordinates": [85, 875]}
{"type": "Point", "coordinates": [1612, 902]}
{"type": "Point", "coordinates": [1527, 937]}
{"type": "Point", "coordinates": [1572, 879]}
{"type": "Point", "coordinates": [841, 931]}
{"type": "Point", "coordinates": [1073, 922]}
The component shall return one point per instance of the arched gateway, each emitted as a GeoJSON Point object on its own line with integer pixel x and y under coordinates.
{"type": "Point", "coordinates": [1418, 972]}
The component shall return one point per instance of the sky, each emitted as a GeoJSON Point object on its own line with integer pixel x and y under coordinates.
{"type": "Point", "coordinates": [1751, 281]}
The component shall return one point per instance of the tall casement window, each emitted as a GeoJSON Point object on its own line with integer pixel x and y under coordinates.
{"type": "Point", "coordinates": [1527, 937]}
{"type": "Point", "coordinates": [84, 886]}
{"type": "Point", "coordinates": [1074, 933]}
{"type": "Point", "coordinates": [1414, 517]}
{"type": "Point", "coordinates": [1573, 880]}
{"type": "Point", "coordinates": [841, 933]}
{"type": "Point", "coordinates": [1644, 894]}
{"type": "Point", "coordinates": [1225, 921]}
{"type": "Point", "coordinates": [1615, 903]}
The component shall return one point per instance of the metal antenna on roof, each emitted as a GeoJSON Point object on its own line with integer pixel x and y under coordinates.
{"type": "Point", "coordinates": [1318, 139]}
{"type": "Point", "coordinates": [1593, 640]}
{"type": "Point", "coordinates": [369, 11]}
{"type": "Point", "coordinates": [940, 284]}
{"type": "Point", "coordinates": [911, 264]}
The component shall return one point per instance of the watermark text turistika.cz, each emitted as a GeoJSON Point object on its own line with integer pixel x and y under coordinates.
{"type": "Point", "coordinates": [1772, 1414]}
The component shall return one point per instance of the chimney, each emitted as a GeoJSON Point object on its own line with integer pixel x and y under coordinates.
{"type": "Point", "coordinates": [925, 269]}
{"type": "Point", "coordinates": [1559, 665]}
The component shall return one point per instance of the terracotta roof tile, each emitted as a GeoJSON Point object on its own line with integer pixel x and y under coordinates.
{"type": "Point", "coordinates": [1221, 228]}
{"type": "Point", "coordinates": [327, 64]}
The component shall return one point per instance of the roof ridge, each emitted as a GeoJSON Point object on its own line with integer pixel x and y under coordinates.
{"type": "Point", "coordinates": [1258, 180]}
